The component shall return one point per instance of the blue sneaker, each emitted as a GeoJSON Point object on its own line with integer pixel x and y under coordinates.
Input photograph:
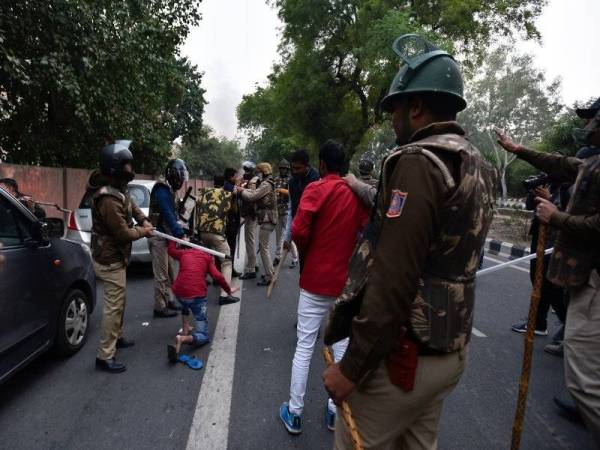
{"type": "Point", "coordinates": [291, 422]}
{"type": "Point", "coordinates": [329, 418]}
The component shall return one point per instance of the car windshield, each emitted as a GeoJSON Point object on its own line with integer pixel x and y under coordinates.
{"type": "Point", "coordinates": [139, 194]}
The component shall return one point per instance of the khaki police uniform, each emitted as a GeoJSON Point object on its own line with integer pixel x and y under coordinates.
{"type": "Point", "coordinates": [574, 265]}
{"type": "Point", "coordinates": [408, 342]}
{"type": "Point", "coordinates": [248, 213]}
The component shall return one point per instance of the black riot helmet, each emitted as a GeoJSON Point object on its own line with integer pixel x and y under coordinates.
{"type": "Point", "coordinates": [365, 166]}
{"type": "Point", "coordinates": [113, 159]}
{"type": "Point", "coordinates": [176, 173]}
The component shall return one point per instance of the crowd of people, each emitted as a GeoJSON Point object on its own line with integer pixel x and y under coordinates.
{"type": "Point", "coordinates": [392, 262]}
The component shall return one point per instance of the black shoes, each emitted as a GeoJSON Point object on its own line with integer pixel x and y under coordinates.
{"type": "Point", "coordinates": [164, 312]}
{"type": "Point", "coordinates": [264, 282]}
{"type": "Point", "coordinates": [125, 343]}
{"type": "Point", "coordinates": [173, 306]}
{"type": "Point", "coordinates": [228, 300]}
{"type": "Point", "coordinates": [248, 276]}
{"type": "Point", "coordinates": [110, 365]}
{"type": "Point", "coordinates": [235, 274]}
{"type": "Point", "coordinates": [568, 410]}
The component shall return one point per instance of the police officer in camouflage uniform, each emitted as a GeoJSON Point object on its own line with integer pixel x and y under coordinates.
{"type": "Point", "coordinates": [265, 199]}
{"type": "Point", "coordinates": [282, 183]}
{"type": "Point", "coordinates": [575, 262]}
{"type": "Point", "coordinates": [408, 303]}
{"type": "Point", "coordinates": [248, 213]}
{"type": "Point", "coordinates": [213, 208]}
{"type": "Point", "coordinates": [113, 231]}
{"type": "Point", "coordinates": [365, 169]}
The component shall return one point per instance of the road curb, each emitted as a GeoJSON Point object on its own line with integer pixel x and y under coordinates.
{"type": "Point", "coordinates": [512, 251]}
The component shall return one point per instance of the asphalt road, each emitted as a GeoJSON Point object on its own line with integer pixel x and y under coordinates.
{"type": "Point", "coordinates": [67, 404]}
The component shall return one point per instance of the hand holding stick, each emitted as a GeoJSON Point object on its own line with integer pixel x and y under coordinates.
{"type": "Point", "coordinates": [346, 413]}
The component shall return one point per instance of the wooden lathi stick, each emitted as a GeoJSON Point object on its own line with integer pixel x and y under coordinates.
{"type": "Point", "coordinates": [528, 350]}
{"type": "Point", "coordinates": [346, 413]}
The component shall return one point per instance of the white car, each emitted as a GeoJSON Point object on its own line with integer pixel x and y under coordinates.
{"type": "Point", "coordinates": [80, 222]}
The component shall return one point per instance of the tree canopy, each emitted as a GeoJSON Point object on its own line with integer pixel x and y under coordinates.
{"type": "Point", "coordinates": [75, 75]}
{"type": "Point", "coordinates": [337, 61]}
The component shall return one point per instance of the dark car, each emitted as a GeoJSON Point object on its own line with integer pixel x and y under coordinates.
{"type": "Point", "coordinates": [47, 288]}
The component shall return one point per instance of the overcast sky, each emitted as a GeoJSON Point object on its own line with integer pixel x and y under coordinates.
{"type": "Point", "coordinates": [236, 45]}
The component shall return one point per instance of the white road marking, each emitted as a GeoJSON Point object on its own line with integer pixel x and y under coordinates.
{"type": "Point", "coordinates": [210, 426]}
{"type": "Point", "coordinates": [497, 261]}
{"type": "Point", "coordinates": [478, 333]}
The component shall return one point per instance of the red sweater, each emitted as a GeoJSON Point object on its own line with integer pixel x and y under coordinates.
{"type": "Point", "coordinates": [193, 267]}
{"type": "Point", "coordinates": [325, 229]}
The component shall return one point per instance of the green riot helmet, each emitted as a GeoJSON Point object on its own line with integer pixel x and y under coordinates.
{"type": "Point", "coordinates": [425, 68]}
{"type": "Point", "coordinates": [284, 164]}
{"type": "Point", "coordinates": [365, 166]}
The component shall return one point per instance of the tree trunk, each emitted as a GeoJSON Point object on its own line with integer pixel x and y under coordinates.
{"type": "Point", "coordinates": [503, 183]}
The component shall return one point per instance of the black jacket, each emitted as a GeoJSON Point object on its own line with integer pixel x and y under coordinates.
{"type": "Point", "coordinates": [297, 186]}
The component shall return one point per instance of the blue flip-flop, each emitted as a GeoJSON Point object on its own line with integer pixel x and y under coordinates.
{"type": "Point", "coordinates": [191, 362]}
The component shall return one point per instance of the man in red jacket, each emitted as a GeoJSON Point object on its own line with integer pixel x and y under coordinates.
{"type": "Point", "coordinates": [325, 230]}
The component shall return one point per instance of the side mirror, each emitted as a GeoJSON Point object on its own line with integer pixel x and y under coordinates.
{"type": "Point", "coordinates": [39, 231]}
{"type": "Point", "coordinates": [56, 227]}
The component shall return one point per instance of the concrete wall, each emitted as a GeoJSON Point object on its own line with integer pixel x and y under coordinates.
{"type": "Point", "coordinates": [64, 186]}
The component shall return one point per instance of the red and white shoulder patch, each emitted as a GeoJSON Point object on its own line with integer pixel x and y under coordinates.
{"type": "Point", "coordinates": [397, 203]}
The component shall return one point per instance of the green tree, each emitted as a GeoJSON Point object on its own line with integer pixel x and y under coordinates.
{"type": "Point", "coordinates": [338, 62]}
{"type": "Point", "coordinates": [75, 75]}
{"type": "Point", "coordinates": [508, 92]}
{"type": "Point", "coordinates": [207, 155]}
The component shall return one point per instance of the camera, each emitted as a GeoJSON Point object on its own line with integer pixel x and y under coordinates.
{"type": "Point", "coordinates": [535, 181]}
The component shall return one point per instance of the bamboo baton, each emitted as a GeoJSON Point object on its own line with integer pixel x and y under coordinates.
{"type": "Point", "coordinates": [346, 413]}
{"type": "Point", "coordinates": [528, 347]}
{"type": "Point", "coordinates": [276, 274]}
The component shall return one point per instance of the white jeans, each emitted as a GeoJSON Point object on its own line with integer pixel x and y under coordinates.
{"type": "Point", "coordinates": [312, 309]}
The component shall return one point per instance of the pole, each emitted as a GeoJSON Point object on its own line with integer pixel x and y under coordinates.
{"type": "Point", "coordinates": [511, 263]}
{"type": "Point", "coordinates": [346, 413]}
{"type": "Point", "coordinates": [528, 345]}
{"type": "Point", "coordinates": [276, 275]}
{"type": "Point", "coordinates": [189, 244]}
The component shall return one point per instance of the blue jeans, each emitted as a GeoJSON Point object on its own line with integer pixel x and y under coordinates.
{"type": "Point", "coordinates": [197, 306]}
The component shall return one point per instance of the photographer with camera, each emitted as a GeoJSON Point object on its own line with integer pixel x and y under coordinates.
{"type": "Point", "coordinates": [542, 186]}
{"type": "Point", "coordinates": [575, 262]}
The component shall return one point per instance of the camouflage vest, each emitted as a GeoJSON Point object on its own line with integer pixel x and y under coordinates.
{"type": "Point", "coordinates": [155, 216]}
{"type": "Point", "coordinates": [100, 233]}
{"type": "Point", "coordinates": [442, 312]}
{"type": "Point", "coordinates": [266, 207]}
{"type": "Point", "coordinates": [212, 208]}
{"type": "Point", "coordinates": [573, 258]}
{"type": "Point", "coordinates": [283, 201]}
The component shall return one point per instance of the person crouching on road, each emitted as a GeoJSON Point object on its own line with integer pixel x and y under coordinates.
{"type": "Point", "coordinates": [325, 229]}
{"type": "Point", "coordinates": [190, 290]}
{"type": "Point", "coordinates": [265, 198]}
{"type": "Point", "coordinates": [113, 232]}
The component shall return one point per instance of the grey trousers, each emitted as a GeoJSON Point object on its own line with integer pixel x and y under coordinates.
{"type": "Point", "coordinates": [582, 352]}
{"type": "Point", "coordinates": [250, 238]}
{"type": "Point", "coordinates": [219, 243]}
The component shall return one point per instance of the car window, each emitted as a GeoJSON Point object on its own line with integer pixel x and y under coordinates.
{"type": "Point", "coordinates": [14, 228]}
{"type": "Point", "coordinates": [140, 195]}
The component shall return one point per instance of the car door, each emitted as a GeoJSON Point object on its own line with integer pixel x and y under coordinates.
{"type": "Point", "coordinates": [24, 304]}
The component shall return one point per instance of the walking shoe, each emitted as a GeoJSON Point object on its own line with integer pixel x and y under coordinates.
{"type": "Point", "coordinates": [164, 312]}
{"type": "Point", "coordinates": [228, 300]}
{"type": "Point", "coordinates": [294, 264]}
{"type": "Point", "coordinates": [329, 417]}
{"type": "Point", "coordinates": [110, 365]}
{"type": "Point", "coordinates": [248, 276]}
{"type": "Point", "coordinates": [292, 422]}
{"type": "Point", "coordinates": [522, 328]}
{"type": "Point", "coordinates": [173, 306]}
{"type": "Point", "coordinates": [555, 348]}
{"type": "Point", "coordinates": [568, 410]}
{"type": "Point", "coordinates": [275, 262]}
{"type": "Point", "coordinates": [125, 343]}
{"type": "Point", "coordinates": [235, 273]}
{"type": "Point", "coordinates": [264, 282]}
